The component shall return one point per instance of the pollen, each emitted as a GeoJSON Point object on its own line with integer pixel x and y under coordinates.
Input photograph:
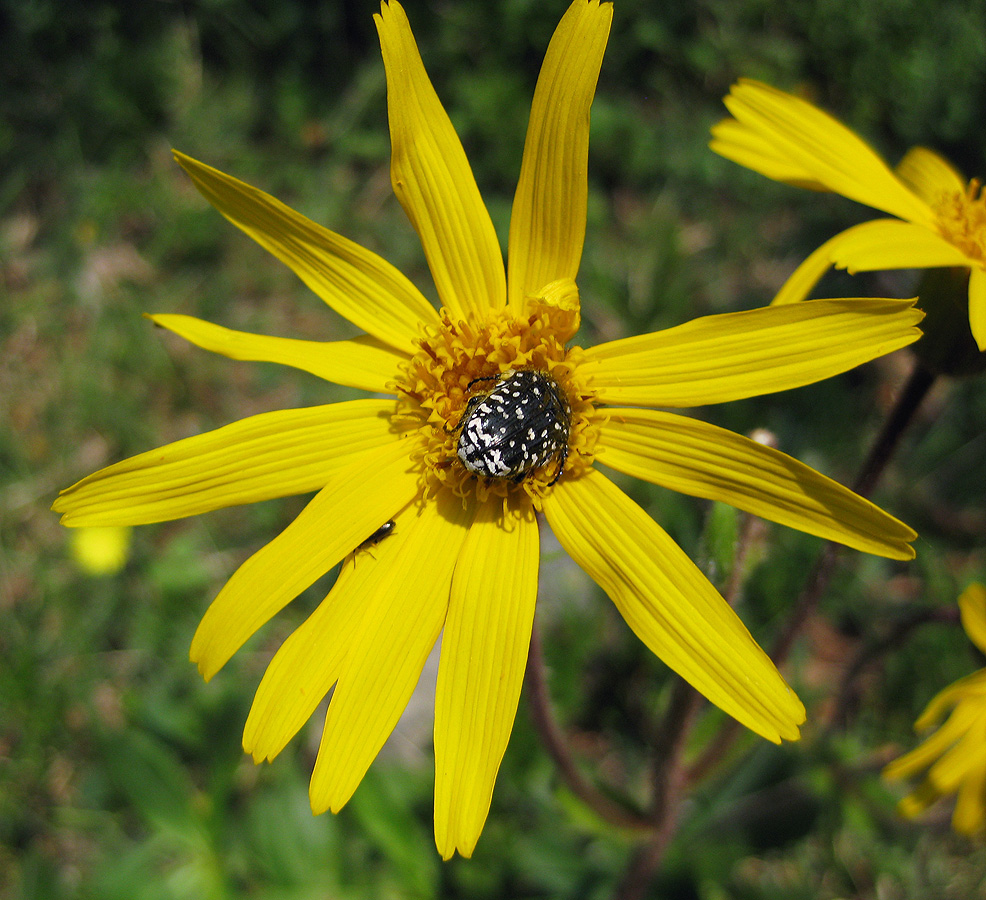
{"type": "Point", "coordinates": [962, 220]}
{"type": "Point", "coordinates": [501, 407]}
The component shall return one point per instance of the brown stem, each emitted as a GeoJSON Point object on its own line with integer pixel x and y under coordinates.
{"type": "Point", "coordinates": [555, 743]}
{"type": "Point", "coordinates": [915, 390]}
{"type": "Point", "coordinates": [902, 414]}
{"type": "Point", "coordinates": [842, 710]}
{"type": "Point", "coordinates": [668, 775]}
{"type": "Point", "coordinates": [667, 785]}
{"type": "Point", "coordinates": [751, 529]}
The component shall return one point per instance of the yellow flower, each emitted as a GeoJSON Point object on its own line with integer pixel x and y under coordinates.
{"type": "Point", "coordinates": [941, 220]}
{"type": "Point", "coordinates": [955, 755]}
{"type": "Point", "coordinates": [461, 558]}
{"type": "Point", "coordinates": [100, 549]}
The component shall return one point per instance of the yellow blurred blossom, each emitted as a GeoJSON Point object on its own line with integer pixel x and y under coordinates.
{"type": "Point", "coordinates": [954, 755]}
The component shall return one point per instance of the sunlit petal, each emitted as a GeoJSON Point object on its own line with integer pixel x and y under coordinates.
{"type": "Point", "coordinates": [670, 605]}
{"type": "Point", "coordinates": [350, 507]}
{"type": "Point", "coordinates": [365, 362]}
{"type": "Point", "coordinates": [547, 225]}
{"type": "Point", "coordinates": [725, 357]}
{"type": "Point", "coordinates": [702, 460]}
{"type": "Point", "coordinates": [433, 180]}
{"type": "Point", "coordinates": [275, 454]}
{"type": "Point", "coordinates": [356, 283]}
{"type": "Point", "coordinates": [751, 149]}
{"type": "Point", "coordinates": [308, 663]}
{"type": "Point", "coordinates": [400, 623]}
{"type": "Point", "coordinates": [484, 653]}
{"type": "Point", "coordinates": [803, 279]}
{"type": "Point", "coordinates": [817, 143]}
{"type": "Point", "coordinates": [892, 244]}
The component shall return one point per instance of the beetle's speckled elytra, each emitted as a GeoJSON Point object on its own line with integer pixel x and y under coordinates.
{"type": "Point", "coordinates": [521, 424]}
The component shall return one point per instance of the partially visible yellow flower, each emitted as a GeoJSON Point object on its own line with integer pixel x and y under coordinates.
{"type": "Point", "coordinates": [955, 755]}
{"type": "Point", "coordinates": [941, 220]}
{"type": "Point", "coordinates": [487, 417]}
{"type": "Point", "coordinates": [100, 549]}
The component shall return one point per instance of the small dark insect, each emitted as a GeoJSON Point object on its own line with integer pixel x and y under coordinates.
{"type": "Point", "coordinates": [520, 425]}
{"type": "Point", "coordinates": [384, 531]}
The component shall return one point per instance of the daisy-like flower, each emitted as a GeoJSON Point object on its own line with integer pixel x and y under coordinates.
{"type": "Point", "coordinates": [940, 220]}
{"type": "Point", "coordinates": [955, 755]}
{"type": "Point", "coordinates": [487, 418]}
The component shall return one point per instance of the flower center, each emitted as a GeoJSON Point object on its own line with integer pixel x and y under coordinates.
{"type": "Point", "coordinates": [962, 220]}
{"type": "Point", "coordinates": [501, 406]}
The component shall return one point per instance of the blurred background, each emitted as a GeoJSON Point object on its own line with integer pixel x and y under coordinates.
{"type": "Point", "coordinates": [121, 773]}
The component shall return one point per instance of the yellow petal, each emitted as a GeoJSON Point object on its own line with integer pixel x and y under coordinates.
{"type": "Point", "coordinates": [922, 756]}
{"type": "Point", "coordinates": [970, 809]}
{"type": "Point", "coordinates": [433, 180]}
{"type": "Point", "coordinates": [350, 507]}
{"type": "Point", "coordinates": [880, 244]}
{"type": "Point", "coordinates": [972, 605]}
{"type": "Point", "coordinates": [669, 604]}
{"type": "Point", "coordinates": [804, 278]}
{"type": "Point", "coordinates": [356, 283]}
{"type": "Point", "coordinates": [547, 225]}
{"type": "Point", "coordinates": [972, 688]}
{"type": "Point", "coordinates": [891, 244]}
{"type": "Point", "coordinates": [308, 663]}
{"type": "Point", "coordinates": [822, 146]}
{"type": "Point", "coordinates": [275, 454]}
{"type": "Point", "coordinates": [947, 773]}
{"type": "Point", "coordinates": [365, 362]}
{"type": "Point", "coordinates": [559, 301]}
{"type": "Point", "coordinates": [749, 148]}
{"type": "Point", "coordinates": [977, 305]}
{"type": "Point", "coordinates": [484, 654]}
{"type": "Point", "coordinates": [725, 357]}
{"type": "Point", "coordinates": [702, 460]}
{"type": "Point", "coordinates": [401, 620]}
{"type": "Point", "coordinates": [929, 175]}
{"type": "Point", "coordinates": [918, 801]}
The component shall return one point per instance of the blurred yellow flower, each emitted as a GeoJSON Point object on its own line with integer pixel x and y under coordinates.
{"type": "Point", "coordinates": [487, 418]}
{"type": "Point", "coordinates": [941, 220]}
{"type": "Point", "coordinates": [100, 549]}
{"type": "Point", "coordinates": [955, 755]}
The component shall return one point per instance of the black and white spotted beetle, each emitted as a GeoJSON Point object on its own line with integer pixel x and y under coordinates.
{"type": "Point", "coordinates": [520, 425]}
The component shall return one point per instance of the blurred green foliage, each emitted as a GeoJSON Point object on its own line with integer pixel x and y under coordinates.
{"type": "Point", "coordinates": [121, 774]}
